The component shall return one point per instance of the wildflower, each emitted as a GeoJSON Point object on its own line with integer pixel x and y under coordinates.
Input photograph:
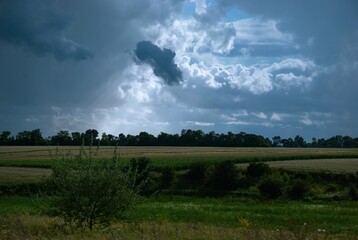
{"type": "Point", "coordinates": [245, 222]}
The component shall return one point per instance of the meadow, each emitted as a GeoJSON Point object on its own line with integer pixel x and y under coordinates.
{"type": "Point", "coordinates": [169, 214]}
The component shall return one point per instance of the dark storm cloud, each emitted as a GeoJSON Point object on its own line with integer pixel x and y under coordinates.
{"type": "Point", "coordinates": [39, 26]}
{"type": "Point", "coordinates": [161, 60]}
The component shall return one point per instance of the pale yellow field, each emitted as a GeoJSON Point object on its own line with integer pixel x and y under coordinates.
{"type": "Point", "coordinates": [42, 152]}
{"type": "Point", "coordinates": [330, 165]}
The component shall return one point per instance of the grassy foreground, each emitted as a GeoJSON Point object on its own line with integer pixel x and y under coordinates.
{"type": "Point", "coordinates": [179, 217]}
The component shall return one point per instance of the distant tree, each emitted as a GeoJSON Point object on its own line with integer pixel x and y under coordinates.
{"type": "Point", "coordinates": [33, 137]}
{"type": "Point", "coordinates": [62, 138]}
{"type": "Point", "coordinates": [91, 135]}
{"type": "Point", "coordinates": [146, 139]}
{"type": "Point", "coordinates": [287, 142]}
{"type": "Point", "coordinates": [108, 140]}
{"type": "Point", "coordinates": [23, 138]}
{"type": "Point", "coordinates": [314, 142]}
{"type": "Point", "coordinates": [131, 140]}
{"type": "Point", "coordinates": [105, 141]}
{"type": "Point", "coordinates": [112, 139]}
{"type": "Point", "coordinates": [210, 139]}
{"type": "Point", "coordinates": [299, 141]}
{"type": "Point", "coordinates": [5, 138]}
{"type": "Point", "coordinates": [122, 141]}
{"type": "Point", "coordinates": [276, 141]}
{"type": "Point", "coordinates": [252, 140]}
{"type": "Point", "coordinates": [348, 142]}
{"type": "Point", "coordinates": [77, 138]}
{"type": "Point", "coordinates": [36, 137]}
{"type": "Point", "coordinates": [164, 139]}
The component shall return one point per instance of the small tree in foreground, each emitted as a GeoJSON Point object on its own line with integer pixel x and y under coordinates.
{"type": "Point", "coordinates": [91, 191]}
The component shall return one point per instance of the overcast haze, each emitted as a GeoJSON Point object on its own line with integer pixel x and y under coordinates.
{"type": "Point", "coordinates": [266, 67]}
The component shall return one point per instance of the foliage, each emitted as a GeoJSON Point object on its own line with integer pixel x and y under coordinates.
{"type": "Point", "coordinates": [168, 176]}
{"type": "Point", "coordinates": [298, 189]}
{"type": "Point", "coordinates": [353, 194]}
{"type": "Point", "coordinates": [222, 177]}
{"type": "Point", "coordinates": [258, 169]}
{"type": "Point", "coordinates": [271, 187]}
{"type": "Point", "coordinates": [91, 191]}
{"type": "Point", "coordinates": [196, 174]}
{"type": "Point", "coordinates": [140, 167]}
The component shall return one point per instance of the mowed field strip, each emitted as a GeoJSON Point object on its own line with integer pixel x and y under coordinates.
{"type": "Point", "coordinates": [43, 152]}
{"type": "Point", "coordinates": [17, 158]}
{"type": "Point", "coordinates": [342, 165]}
{"type": "Point", "coordinates": [22, 175]}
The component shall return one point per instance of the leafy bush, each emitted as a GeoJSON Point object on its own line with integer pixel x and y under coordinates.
{"type": "Point", "coordinates": [271, 187]}
{"type": "Point", "coordinates": [222, 177]}
{"type": "Point", "coordinates": [91, 191]}
{"type": "Point", "coordinates": [353, 194]}
{"type": "Point", "coordinates": [140, 168]}
{"type": "Point", "coordinates": [167, 178]}
{"type": "Point", "coordinates": [258, 169]}
{"type": "Point", "coordinates": [196, 174]}
{"type": "Point", "coordinates": [298, 189]}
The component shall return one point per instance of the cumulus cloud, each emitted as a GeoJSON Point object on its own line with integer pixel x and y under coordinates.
{"type": "Point", "coordinates": [321, 28]}
{"type": "Point", "coordinates": [222, 38]}
{"type": "Point", "coordinates": [161, 60]}
{"type": "Point", "coordinates": [40, 27]}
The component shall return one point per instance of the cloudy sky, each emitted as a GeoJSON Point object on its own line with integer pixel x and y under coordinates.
{"type": "Point", "coordinates": [274, 67]}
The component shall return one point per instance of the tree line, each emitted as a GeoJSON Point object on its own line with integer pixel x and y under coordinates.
{"type": "Point", "coordinates": [187, 137]}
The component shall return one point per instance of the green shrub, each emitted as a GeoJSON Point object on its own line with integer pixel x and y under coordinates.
{"type": "Point", "coordinates": [258, 169]}
{"type": "Point", "coordinates": [91, 191]}
{"type": "Point", "coordinates": [353, 194]}
{"type": "Point", "coordinates": [271, 187]}
{"type": "Point", "coordinates": [196, 174]}
{"type": "Point", "coordinates": [140, 168]}
{"type": "Point", "coordinates": [222, 177]}
{"type": "Point", "coordinates": [243, 182]}
{"type": "Point", "coordinates": [168, 176]}
{"type": "Point", "coordinates": [298, 189]}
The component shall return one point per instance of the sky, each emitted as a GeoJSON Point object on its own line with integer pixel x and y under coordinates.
{"type": "Point", "coordinates": [279, 67]}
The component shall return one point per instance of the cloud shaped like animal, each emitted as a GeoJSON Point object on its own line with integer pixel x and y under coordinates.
{"type": "Point", "coordinates": [39, 26]}
{"type": "Point", "coordinates": [161, 60]}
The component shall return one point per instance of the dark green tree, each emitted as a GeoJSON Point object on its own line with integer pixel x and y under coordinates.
{"type": "Point", "coordinates": [62, 138]}
{"type": "Point", "coordinates": [5, 138]}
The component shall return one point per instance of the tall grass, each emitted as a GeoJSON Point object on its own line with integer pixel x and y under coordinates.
{"type": "Point", "coordinates": [40, 227]}
{"type": "Point", "coordinates": [222, 213]}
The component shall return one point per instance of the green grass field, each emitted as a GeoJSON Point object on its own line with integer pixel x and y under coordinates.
{"type": "Point", "coordinates": [195, 215]}
{"type": "Point", "coordinates": [187, 217]}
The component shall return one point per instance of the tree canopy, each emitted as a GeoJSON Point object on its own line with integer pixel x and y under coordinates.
{"type": "Point", "coordinates": [187, 137]}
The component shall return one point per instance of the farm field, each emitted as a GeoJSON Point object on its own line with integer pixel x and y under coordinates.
{"type": "Point", "coordinates": [344, 165]}
{"type": "Point", "coordinates": [167, 215]}
{"type": "Point", "coordinates": [42, 152]}
{"type": "Point", "coordinates": [29, 163]}
{"type": "Point", "coordinates": [178, 157]}
{"type": "Point", "coordinates": [22, 175]}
